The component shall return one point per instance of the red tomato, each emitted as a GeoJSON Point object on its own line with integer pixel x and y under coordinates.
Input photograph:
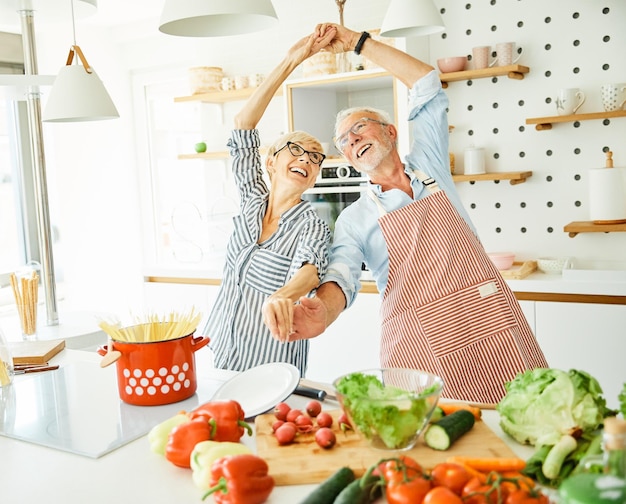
{"type": "Point", "coordinates": [395, 468]}
{"type": "Point", "coordinates": [452, 476]}
{"type": "Point", "coordinates": [409, 491]}
{"type": "Point", "coordinates": [475, 492]}
{"type": "Point", "coordinates": [442, 495]}
{"type": "Point", "coordinates": [527, 497]}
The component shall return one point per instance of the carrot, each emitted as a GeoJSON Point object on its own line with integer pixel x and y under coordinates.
{"type": "Point", "coordinates": [473, 472]}
{"type": "Point", "coordinates": [451, 407]}
{"type": "Point", "coordinates": [487, 464]}
{"type": "Point", "coordinates": [521, 480]}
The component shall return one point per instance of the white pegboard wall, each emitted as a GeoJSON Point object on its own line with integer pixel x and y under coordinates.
{"type": "Point", "coordinates": [565, 43]}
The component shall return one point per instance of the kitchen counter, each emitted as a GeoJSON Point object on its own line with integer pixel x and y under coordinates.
{"type": "Point", "coordinates": [132, 473]}
{"type": "Point", "coordinates": [537, 286]}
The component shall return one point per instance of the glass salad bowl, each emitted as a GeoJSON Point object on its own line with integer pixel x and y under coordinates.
{"type": "Point", "coordinates": [390, 407]}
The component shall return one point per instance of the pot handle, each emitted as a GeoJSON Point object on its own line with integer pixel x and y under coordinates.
{"type": "Point", "coordinates": [197, 342]}
{"type": "Point", "coordinates": [102, 350]}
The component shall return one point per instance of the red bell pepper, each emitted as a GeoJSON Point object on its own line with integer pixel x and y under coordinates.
{"type": "Point", "coordinates": [226, 419]}
{"type": "Point", "coordinates": [240, 479]}
{"type": "Point", "coordinates": [183, 438]}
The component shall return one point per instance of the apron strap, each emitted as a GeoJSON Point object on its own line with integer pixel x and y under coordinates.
{"type": "Point", "coordinates": [428, 182]}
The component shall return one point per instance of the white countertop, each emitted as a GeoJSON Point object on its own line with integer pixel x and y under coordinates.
{"type": "Point", "coordinates": [132, 473]}
{"type": "Point", "coordinates": [592, 282]}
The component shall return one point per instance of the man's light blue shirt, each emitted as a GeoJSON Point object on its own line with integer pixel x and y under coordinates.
{"type": "Point", "coordinates": [358, 238]}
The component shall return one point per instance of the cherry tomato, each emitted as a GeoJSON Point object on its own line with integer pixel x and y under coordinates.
{"type": "Point", "coordinates": [313, 408]}
{"type": "Point", "coordinates": [286, 433]}
{"type": "Point", "coordinates": [527, 497]}
{"type": "Point", "coordinates": [293, 414]}
{"type": "Point", "coordinates": [324, 419]}
{"type": "Point", "coordinates": [441, 495]}
{"type": "Point", "coordinates": [452, 476]}
{"type": "Point", "coordinates": [410, 491]}
{"type": "Point", "coordinates": [476, 492]}
{"type": "Point", "coordinates": [325, 437]}
{"type": "Point", "coordinates": [281, 410]}
{"type": "Point", "coordinates": [400, 469]}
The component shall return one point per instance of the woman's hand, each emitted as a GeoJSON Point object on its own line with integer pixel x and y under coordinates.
{"type": "Point", "coordinates": [314, 43]}
{"type": "Point", "coordinates": [343, 40]}
{"type": "Point", "coordinates": [278, 316]}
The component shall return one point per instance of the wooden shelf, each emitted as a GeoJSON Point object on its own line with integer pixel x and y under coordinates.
{"type": "Point", "coordinates": [545, 123]}
{"type": "Point", "coordinates": [511, 71]}
{"type": "Point", "coordinates": [513, 177]}
{"type": "Point", "coordinates": [221, 96]}
{"type": "Point", "coordinates": [573, 228]}
{"type": "Point", "coordinates": [205, 155]}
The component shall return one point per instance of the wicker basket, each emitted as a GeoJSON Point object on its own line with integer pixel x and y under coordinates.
{"type": "Point", "coordinates": [204, 79]}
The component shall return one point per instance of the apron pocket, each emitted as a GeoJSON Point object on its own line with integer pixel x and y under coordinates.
{"type": "Point", "coordinates": [478, 312]}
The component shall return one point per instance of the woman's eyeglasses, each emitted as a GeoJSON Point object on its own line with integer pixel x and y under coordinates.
{"type": "Point", "coordinates": [356, 129]}
{"type": "Point", "coordinates": [297, 151]}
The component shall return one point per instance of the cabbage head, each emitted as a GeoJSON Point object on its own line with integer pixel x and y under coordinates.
{"type": "Point", "coordinates": [541, 405]}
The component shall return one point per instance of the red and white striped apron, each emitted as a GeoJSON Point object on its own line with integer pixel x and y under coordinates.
{"type": "Point", "coordinates": [446, 309]}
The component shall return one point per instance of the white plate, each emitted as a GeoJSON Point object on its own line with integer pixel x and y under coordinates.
{"type": "Point", "coordinates": [260, 388]}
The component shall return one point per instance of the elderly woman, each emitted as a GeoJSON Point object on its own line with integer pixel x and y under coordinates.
{"type": "Point", "coordinates": [279, 248]}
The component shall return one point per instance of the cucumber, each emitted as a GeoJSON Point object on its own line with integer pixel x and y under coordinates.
{"type": "Point", "coordinates": [363, 490]}
{"type": "Point", "coordinates": [328, 490]}
{"type": "Point", "coordinates": [441, 434]}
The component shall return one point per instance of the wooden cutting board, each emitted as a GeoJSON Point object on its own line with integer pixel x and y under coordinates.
{"type": "Point", "coordinates": [304, 462]}
{"type": "Point", "coordinates": [35, 352]}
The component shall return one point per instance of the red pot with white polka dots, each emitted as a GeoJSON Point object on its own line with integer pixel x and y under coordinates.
{"type": "Point", "coordinates": [157, 372]}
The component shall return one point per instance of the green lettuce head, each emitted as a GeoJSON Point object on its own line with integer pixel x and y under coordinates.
{"type": "Point", "coordinates": [541, 405]}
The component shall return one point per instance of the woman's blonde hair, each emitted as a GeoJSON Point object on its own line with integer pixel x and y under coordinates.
{"type": "Point", "coordinates": [295, 137]}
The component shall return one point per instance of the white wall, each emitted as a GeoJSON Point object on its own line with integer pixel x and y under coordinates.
{"type": "Point", "coordinates": [94, 167]}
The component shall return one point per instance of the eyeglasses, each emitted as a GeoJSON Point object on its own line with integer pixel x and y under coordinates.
{"type": "Point", "coordinates": [297, 151]}
{"type": "Point", "coordinates": [356, 129]}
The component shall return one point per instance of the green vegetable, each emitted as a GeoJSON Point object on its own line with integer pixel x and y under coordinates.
{"type": "Point", "coordinates": [328, 490]}
{"type": "Point", "coordinates": [622, 401]}
{"type": "Point", "coordinates": [388, 412]}
{"type": "Point", "coordinates": [437, 415]}
{"type": "Point", "coordinates": [363, 490]}
{"type": "Point", "coordinates": [556, 456]}
{"type": "Point", "coordinates": [440, 435]}
{"type": "Point", "coordinates": [541, 405]}
{"type": "Point", "coordinates": [159, 434]}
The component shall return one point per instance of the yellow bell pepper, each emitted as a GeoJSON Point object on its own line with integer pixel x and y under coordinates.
{"type": "Point", "coordinates": [207, 452]}
{"type": "Point", "coordinates": [159, 434]}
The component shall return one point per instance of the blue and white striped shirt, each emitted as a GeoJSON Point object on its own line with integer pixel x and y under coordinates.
{"type": "Point", "coordinates": [253, 271]}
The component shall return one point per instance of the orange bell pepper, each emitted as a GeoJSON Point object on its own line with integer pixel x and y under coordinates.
{"type": "Point", "coordinates": [226, 419]}
{"type": "Point", "coordinates": [183, 438]}
{"type": "Point", "coordinates": [240, 479]}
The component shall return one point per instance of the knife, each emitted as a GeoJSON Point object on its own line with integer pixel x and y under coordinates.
{"type": "Point", "coordinates": [314, 393]}
{"type": "Point", "coordinates": [315, 390]}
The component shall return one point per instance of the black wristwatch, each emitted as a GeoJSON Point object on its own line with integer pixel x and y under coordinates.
{"type": "Point", "coordinates": [359, 44]}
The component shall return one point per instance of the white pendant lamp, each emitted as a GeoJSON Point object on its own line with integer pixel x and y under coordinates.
{"type": "Point", "coordinates": [78, 93]}
{"type": "Point", "coordinates": [216, 18]}
{"type": "Point", "coordinates": [411, 18]}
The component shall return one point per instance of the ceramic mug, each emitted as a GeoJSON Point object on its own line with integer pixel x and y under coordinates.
{"type": "Point", "coordinates": [481, 56]}
{"type": "Point", "coordinates": [613, 96]}
{"type": "Point", "coordinates": [505, 52]}
{"type": "Point", "coordinates": [569, 100]}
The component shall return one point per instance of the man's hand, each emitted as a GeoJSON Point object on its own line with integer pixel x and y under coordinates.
{"type": "Point", "coordinates": [309, 318]}
{"type": "Point", "coordinates": [343, 40]}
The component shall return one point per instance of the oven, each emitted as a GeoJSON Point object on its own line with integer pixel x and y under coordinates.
{"type": "Point", "coordinates": [337, 186]}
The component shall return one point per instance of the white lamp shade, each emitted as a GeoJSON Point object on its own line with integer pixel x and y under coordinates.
{"type": "Point", "coordinates": [216, 18]}
{"type": "Point", "coordinates": [78, 96]}
{"type": "Point", "coordinates": [411, 18]}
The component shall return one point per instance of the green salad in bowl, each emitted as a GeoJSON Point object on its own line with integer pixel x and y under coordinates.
{"type": "Point", "coordinates": [389, 406]}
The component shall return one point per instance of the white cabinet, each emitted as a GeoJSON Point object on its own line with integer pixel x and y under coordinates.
{"type": "Point", "coordinates": [585, 336]}
{"type": "Point", "coordinates": [351, 343]}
